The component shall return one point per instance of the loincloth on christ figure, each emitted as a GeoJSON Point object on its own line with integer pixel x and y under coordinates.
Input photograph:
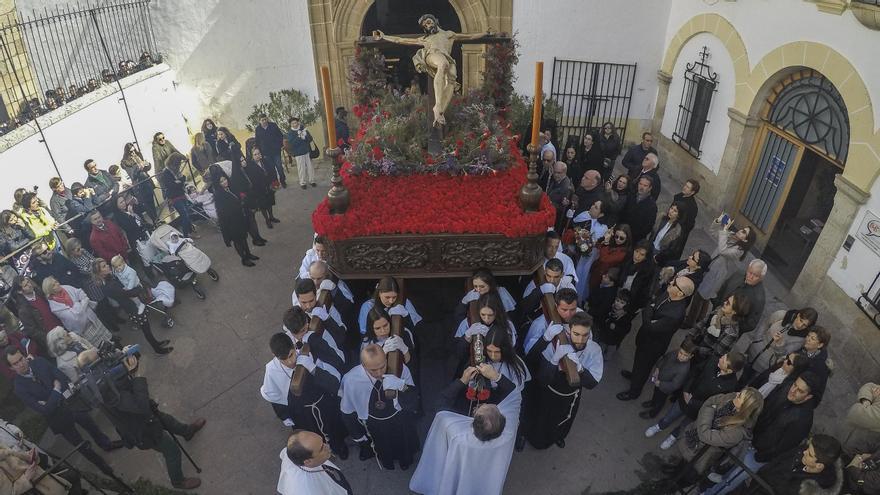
{"type": "Point", "coordinates": [420, 61]}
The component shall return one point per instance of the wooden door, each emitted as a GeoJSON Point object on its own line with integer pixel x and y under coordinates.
{"type": "Point", "coordinates": [774, 163]}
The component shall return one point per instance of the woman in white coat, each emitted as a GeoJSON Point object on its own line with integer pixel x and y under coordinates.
{"type": "Point", "coordinates": [76, 311]}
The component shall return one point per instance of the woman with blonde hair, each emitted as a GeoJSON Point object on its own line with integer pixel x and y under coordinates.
{"type": "Point", "coordinates": [202, 154]}
{"type": "Point", "coordinates": [76, 311]}
{"type": "Point", "coordinates": [724, 421]}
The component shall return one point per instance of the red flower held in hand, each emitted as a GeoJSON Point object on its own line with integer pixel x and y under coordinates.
{"type": "Point", "coordinates": [471, 394]}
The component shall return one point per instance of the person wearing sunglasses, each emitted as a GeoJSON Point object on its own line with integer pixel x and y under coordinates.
{"type": "Point", "coordinates": [660, 321]}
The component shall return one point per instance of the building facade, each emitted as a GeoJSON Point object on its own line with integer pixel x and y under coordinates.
{"type": "Point", "coordinates": [790, 145]}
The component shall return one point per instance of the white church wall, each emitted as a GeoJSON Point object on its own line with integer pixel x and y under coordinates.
{"type": "Point", "coordinates": [228, 55]}
{"type": "Point", "coordinates": [92, 126]}
{"type": "Point", "coordinates": [718, 128]}
{"type": "Point", "coordinates": [599, 31]}
{"type": "Point", "coordinates": [854, 270]}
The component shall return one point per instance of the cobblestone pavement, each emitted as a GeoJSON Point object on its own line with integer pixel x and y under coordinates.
{"type": "Point", "coordinates": [221, 347]}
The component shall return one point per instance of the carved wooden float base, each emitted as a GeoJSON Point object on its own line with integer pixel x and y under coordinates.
{"type": "Point", "coordinates": [434, 256]}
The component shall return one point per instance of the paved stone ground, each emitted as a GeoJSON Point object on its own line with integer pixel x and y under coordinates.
{"type": "Point", "coordinates": [221, 347]}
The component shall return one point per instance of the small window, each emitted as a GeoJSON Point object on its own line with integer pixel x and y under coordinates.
{"type": "Point", "coordinates": [700, 83]}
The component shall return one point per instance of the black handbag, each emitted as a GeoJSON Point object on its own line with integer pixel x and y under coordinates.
{"type": "Point", "coordinates": [314, 152]}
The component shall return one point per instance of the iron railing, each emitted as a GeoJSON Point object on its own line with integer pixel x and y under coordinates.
{"type": "Point", "coordinates": [52, 57]}
{"type": "Point", "coordinates": [589, 94]}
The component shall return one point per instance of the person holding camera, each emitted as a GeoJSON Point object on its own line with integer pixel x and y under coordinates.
{"type": "Point", "coordinates": [41, 387]}
{"type": "Point", "coordinates": [140, 423]}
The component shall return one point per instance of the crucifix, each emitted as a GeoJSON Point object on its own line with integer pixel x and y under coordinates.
{"type": "Point", "coordinates": [434, 58]}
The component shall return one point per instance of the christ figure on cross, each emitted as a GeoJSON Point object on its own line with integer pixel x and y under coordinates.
{"type": "Point", "coordinates": [435, 59]}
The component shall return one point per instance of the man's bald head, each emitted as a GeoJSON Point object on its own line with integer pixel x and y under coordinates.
{"type": "Point", "coordinates": [318, 271]}
{"type": "Point", "coordinates": [681, 288]}
{"type": "Point", "coordinates": [488, 422]}
{"type": "Point", "coordinates": [308, 449]}
{"type": "Point", "coordinates": [373, 360]}
{"type": "Point", "coordinates": [590, 180]}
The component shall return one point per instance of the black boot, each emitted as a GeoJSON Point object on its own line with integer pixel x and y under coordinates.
{"type": "Point", "coordinates": [268, 220]}
{"type": "Point", "coordinates": [366, 450]}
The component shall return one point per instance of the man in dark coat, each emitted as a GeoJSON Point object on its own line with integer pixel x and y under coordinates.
{"type": "Point", "coordinates": [811, 469]}
{"type": "Point", "coordinates": [46, 262]}
{"type": "Point", "coordinates": [140, 423]}
{"type": "Point", "coordinates": [342, 131]}
{"type": "Point", "coordinates": [589, 191]}
{"type": "Point", "coordinates": [270, 139]}
{"type": "Point", "coordinates": [649, 168]}
{"type": "Point", "coordinates": [41, 387]}
{"type": "Point", "coordinates": [641, 210]}
{"type": "Point", "coordinates": [660, 321]}
{"type": "Point", "coordinates": [688, 212]}
{"type": "Point", "coordinates": [299, 140]}
{"type": "Point", "coordinates": [632, 160]}
{"type": "Point", "coordinates": [100, 181]}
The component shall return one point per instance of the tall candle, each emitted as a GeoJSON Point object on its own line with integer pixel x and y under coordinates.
{"type": "Point", "coordinates": [328, 106]}
{"type": "Point", "coordinates": [539, 96]}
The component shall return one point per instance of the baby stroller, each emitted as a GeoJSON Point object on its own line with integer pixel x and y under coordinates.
{"type": "Point", "coordinates": [202, 203]}
{"type": "Point", "coordinates": [177, 259]}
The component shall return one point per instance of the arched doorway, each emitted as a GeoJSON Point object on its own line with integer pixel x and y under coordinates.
{"type": "Point", "coordinates": [402, 17]}
{"type": "Point", "coordinates": [788, 191]}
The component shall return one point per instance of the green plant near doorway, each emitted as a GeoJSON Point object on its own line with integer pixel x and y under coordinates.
{"type": "Point", "coordinates": [285, 104]}
{"type": "Point", "coordinates": [519, 113]}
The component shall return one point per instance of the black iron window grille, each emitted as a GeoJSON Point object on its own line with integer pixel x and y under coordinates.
{"type": "Point", "coordinates": [53, 56]}
{"type": "Point", "coordinates": [700, 84]}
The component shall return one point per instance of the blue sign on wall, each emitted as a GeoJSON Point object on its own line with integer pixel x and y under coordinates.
{"type": "Point", "coordinates": [775, 171]}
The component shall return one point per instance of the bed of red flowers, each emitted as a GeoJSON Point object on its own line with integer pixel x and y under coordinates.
{"type": "Point", "coordinates": [435, 204]}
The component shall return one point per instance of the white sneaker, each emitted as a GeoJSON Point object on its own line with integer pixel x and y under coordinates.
{"type": "Point", "coordinates": [715, 477]}
{"type": "Point", "coordinates": [668, 442]}
{"type": "Point", "coordinates": [650, 432]}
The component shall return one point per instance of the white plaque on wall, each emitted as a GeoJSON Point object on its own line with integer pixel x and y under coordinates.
{"type": "Point", "coordinates": [869, 231]}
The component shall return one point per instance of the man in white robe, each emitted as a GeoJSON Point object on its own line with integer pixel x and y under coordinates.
{"type": "Point", "coordinates": [468, 456]}
{"type": "Point", "coordinates": [306, 468]}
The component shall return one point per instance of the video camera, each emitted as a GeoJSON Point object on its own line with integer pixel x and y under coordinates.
{"type": "Point", "coordinates": [100, 377]}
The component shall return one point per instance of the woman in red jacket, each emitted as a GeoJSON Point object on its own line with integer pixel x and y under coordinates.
{"type": "Point", "coordinates": [613, 250]}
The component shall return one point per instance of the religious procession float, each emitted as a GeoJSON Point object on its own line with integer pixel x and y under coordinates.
{"type": "Point", "coordinates": [433, 185]}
